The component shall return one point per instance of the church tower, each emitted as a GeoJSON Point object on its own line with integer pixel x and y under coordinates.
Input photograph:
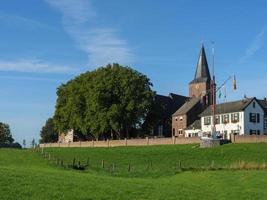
{"type": "Point", "coordinates": [200, 86]}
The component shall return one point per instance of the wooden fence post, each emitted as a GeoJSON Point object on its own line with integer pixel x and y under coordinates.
{"type": "Point", "coordinates": [103, 164]}
{"type": "Point", "coordinates": [87, 162]}
{"type": "Point", "coordinates": [113, 167]}
{"type": "Point", "coordinates": [147, 141]}
{"type": "Point", "coordinates": [73, 162]}
{"type": "Point", "coordinates": [125, 142]}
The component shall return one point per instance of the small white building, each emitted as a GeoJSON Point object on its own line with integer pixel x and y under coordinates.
{"type": "Point", "coordinates": [66, 138]}
{"type": "Point", "coordinates": [242, 117]}
{"type": "Point", "coordinates": [194, 130]}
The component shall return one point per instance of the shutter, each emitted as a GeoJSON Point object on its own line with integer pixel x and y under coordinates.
{"type": "Point", "coordinates": [258, 118]}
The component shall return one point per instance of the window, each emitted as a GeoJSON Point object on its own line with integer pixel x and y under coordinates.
{"type": "Point", "coordinates": [258, 132]}
{"type": "Point", "coordinates": [254, 117]}
{"type": "Point", "coordinates": [217, 119]}
{"type": "Point", "coordinates": [173, 132]}
{"type": "Point", "coordinates": [254, 105]}
{"type": "Point", "coordinates": [265, 123]}
{"type": "Point", "coordinates": [252, 132]}
{"type": "Point", "coordinates": [225, 118]}
{"type": "Point", "coordinates": [207, 120]}
{"type": "Point", "coordinates": [235, 117]}
{"type": "Point", "coordinates": [176, 118]}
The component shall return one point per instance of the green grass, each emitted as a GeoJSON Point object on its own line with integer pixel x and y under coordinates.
{"type": "Point", "coordinates": [24, 174]}
{"type": "Point", "coordinates": [156, 161]}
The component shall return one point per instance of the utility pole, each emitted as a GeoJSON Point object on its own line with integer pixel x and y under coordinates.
{"type": "Point", "coordinates": [213, 89]}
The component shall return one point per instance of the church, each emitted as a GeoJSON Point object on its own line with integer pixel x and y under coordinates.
{"type": "Point", "coordinates": [187, 116]}
{"type": "Point", "coordinates": [179, 112]}
{"type": "Point", "coordinates": [192, 115]}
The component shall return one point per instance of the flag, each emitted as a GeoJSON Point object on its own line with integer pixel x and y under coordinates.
{"type": "Point", "coordinates": [220, 94]}
{"type": "Point", "coordinates": [234, 83]}
{"type": "Point", "coordinates": [224, 92]}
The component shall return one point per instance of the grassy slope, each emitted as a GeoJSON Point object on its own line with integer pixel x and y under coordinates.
{"type": "Point", "coordinates": [25, 175]}
{"type": "Point", "coordinates": [164, 159]}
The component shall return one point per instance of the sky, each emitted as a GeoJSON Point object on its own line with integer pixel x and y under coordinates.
{"type": "Point", "coordinates": [45, 43]}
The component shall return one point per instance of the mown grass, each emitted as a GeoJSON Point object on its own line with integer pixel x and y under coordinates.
{"type": "Point", "coordinates": [156, 161]}
{"type": "Point", "coordinates": [24, 174]}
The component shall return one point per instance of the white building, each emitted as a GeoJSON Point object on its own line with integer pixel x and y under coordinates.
{"type": "Point", "coordinates": [246, 116]}
{"type": "Point", "coordinates": [264, 105]}
{"type": "Point", "coordinates": [66, 138]}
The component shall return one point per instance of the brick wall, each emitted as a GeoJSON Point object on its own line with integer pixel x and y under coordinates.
{"type": "Point", "coordinates": [125, 142]}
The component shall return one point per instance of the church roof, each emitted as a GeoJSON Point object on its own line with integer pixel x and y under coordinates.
{"type": "Point", "coordinates": [202, 73]}
{"type": "Point", "coordinates": [187, 106]}
{"type": "Point", "coordinates": [170, 103]}
{"type": "Point", "coordinates": [195, 125]}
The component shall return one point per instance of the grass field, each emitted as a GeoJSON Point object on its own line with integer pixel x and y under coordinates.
{"type": "Point", "coordinates": [25, 174]}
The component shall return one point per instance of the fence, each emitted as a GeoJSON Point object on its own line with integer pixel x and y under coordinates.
{"type": "Point", "coordinates": [249, 138]}
{"type": "Point", "coordinates": [126, 142]}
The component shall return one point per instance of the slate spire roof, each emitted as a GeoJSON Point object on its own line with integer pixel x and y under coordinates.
{"type": "Point", "coordinates": [202, 71]}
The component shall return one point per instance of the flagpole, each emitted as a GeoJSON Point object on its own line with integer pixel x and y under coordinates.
{"type": "Point", "coordinates": [213, 130]}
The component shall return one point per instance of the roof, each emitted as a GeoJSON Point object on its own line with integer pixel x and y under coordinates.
{"type": "Point", "coordinates": [202, 73]}
{"type": "Point", "coordinates": [235, 106]}
{"type": "Point", "coordinates": [195, 125]}
{"type": "Point", "coordinates": [187, 106]}
{"type": "Point", "coordinates": [263, 104]}
{"type": "Point", "coordinates": [170, 103]}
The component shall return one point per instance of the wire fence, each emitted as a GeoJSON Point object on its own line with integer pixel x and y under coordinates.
{"type": "Point", "coordinates": [147, 168]}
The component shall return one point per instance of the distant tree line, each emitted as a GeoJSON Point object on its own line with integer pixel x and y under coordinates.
{"type": "Point", "coordinates": [5, 134]}
{"type": "Point", "coordinates": [6, 139]}
{"type": "Point", "coordinates": [109, 102]}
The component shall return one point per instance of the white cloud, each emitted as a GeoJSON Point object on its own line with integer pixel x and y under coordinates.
{"type": "Point", "coordinates": [20, 21]}
{"type": "Point", "coordinates": [102, 45]}
{"type": "Point", "coordinates": [256, 45]}
{"type": "Point", "coordinates": [34, 66]}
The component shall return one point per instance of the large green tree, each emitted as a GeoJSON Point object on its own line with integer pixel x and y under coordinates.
{"type": "Point", "coordinates": [107, 101]}
{"type": "Point", "coordinates": [5, 134]}
{"type": "Point", "coordinates": [48, 132]}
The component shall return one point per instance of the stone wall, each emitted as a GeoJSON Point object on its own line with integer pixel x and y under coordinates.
{"type": "Point", "coordinates": [249, 138]}
{"type": "Point", "coordinates": [127, 142]}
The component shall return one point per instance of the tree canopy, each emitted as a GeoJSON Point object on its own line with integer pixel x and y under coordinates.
{"type": "Point", "coordinates": [109, 100]}
{"type": "Point", "coordinates": [5, 134]}
{"type": "Point", "coordinates": [48, 132]}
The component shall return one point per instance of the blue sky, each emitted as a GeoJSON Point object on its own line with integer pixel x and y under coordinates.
{"type": "Point", "coordinates": [45, 43]}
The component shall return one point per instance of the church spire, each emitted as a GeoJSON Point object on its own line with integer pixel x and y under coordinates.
{"type": "Point", "coordinates": [202, 72]}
